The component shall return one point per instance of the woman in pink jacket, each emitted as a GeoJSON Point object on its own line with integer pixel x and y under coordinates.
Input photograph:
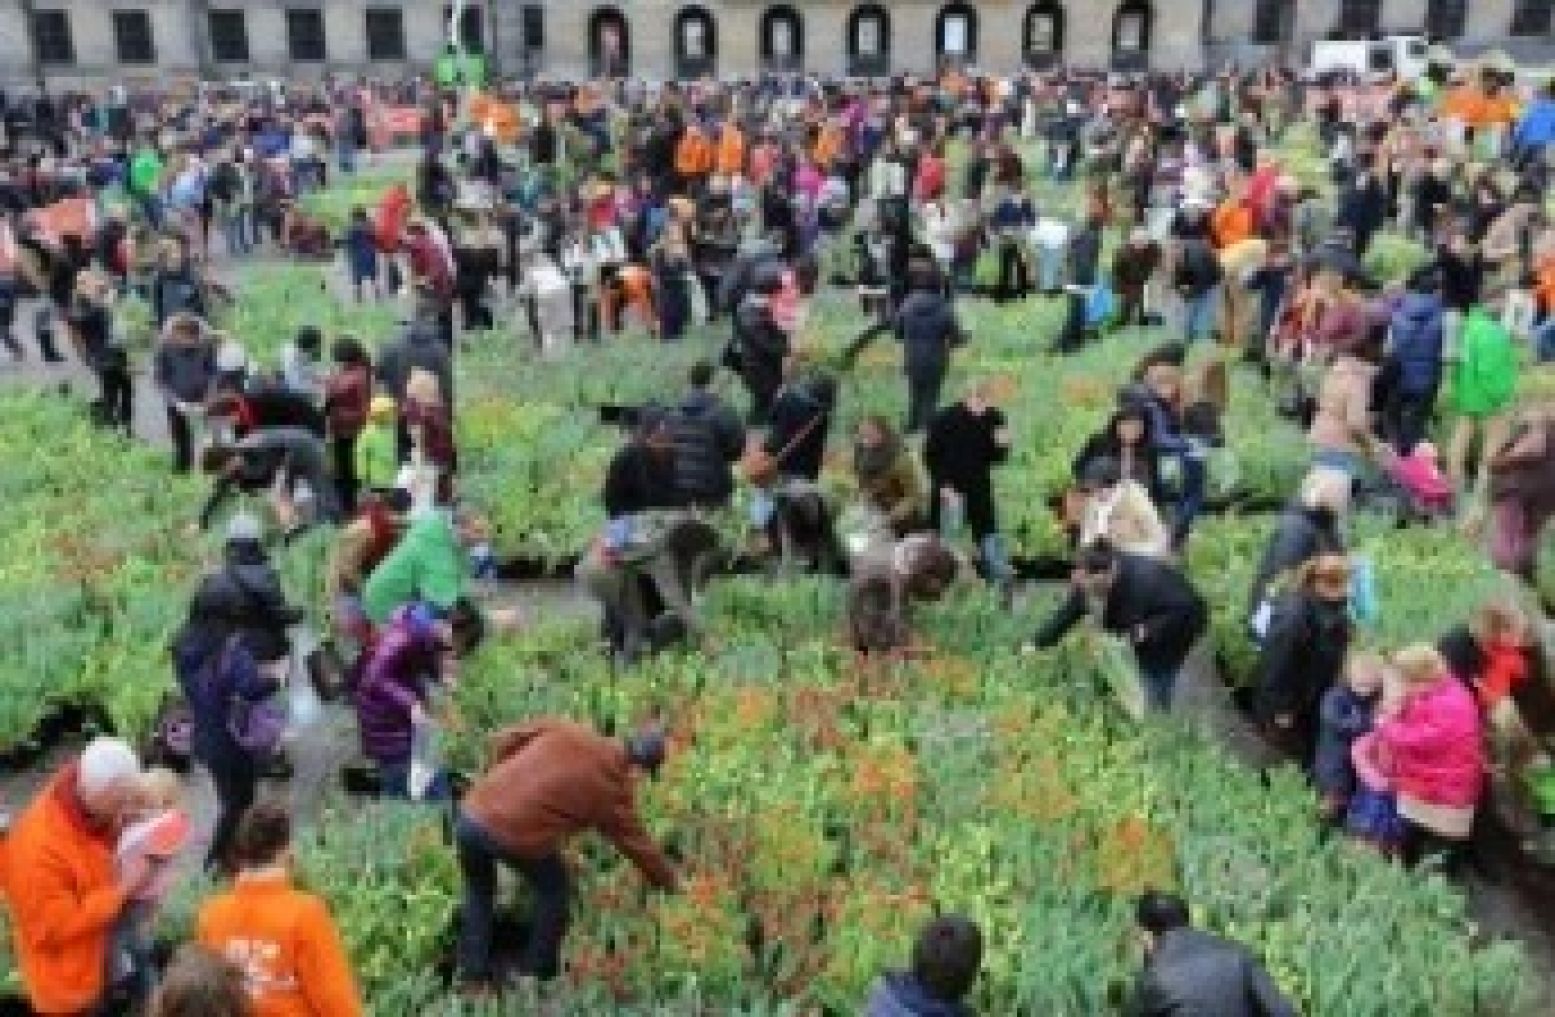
{"type": "Point", "coordinates": [1432, 749]}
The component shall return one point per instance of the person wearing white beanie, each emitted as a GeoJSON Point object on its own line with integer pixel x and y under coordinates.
{"type": "Point", "coordinates": [64, 893]}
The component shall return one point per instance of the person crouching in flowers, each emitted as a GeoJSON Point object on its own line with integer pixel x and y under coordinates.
{"type": "Point", "coordinates": [1345, 715]}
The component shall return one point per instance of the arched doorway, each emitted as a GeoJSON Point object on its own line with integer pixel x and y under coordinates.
{"type": "Point", "coordinates": [782, 39]}
{"type": "Point", "coordinates": [955, 35]}
{"type": "Point", "coordinates": [869, 41]}
{"type": "Point", "coordinates": [696, 43]}
{"type": "Point", "coordinates": [1131, 28]}
{"type": "Point", "coordinates": [610, 44]}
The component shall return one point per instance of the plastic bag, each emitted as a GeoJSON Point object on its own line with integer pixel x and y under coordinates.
{"type": "Point", "coordinates": [425, 761]}
{"type": "Point", "coordinates": [303, 706]}
{"type": "Point", "coordinates": [1364, 605]}
{"type": "Point", "coordinates": [1099, 305]}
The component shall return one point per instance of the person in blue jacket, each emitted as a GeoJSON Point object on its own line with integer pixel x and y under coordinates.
{"type": "Point", "coordinates": [1536, 129]}
{"type": "Point", "coordinates": [1414, 361]}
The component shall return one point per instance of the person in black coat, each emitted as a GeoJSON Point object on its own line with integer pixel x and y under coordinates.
{"type": "Point", "coordinates": [1308, 527]}
{"type": "Point", "coordinates": [1191, 972]}
{"type": "Point", "coordinates": [248, 591]}
{"type": "Point", "coordinates": [1303, 654]}
{"type": "Point", "coordinates": [1126, 441]}
{"type": "Point", "coordinates": [709, 439]}
{"type": "Point", "coordinates": [1363, 206]}
{"type": "Point", "coordinates": [641, 477]}
{"type": "Point", "coordinates": [1147, 603]}
{"type": "Point", "coordinates": [760, 348]}
{"type": "Point", "coordinates": [965, 442]}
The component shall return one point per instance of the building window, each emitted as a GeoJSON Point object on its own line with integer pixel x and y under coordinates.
{"type": "Point", "coordinates": [1272, 21]}
{"type": "Point", "coordinates": [385, 33]}
{"type": "Point", "coordinates": [1533, 17]}
{"type": "Point", "coordinates": [305, 35]}
{"type": "Point", "coordinates": [132, 39]}
{"type": "Point", "coordinates": [51, 38]}
{"type": "Point", "coordinates": [534, 28]}
{"type": "Point", "coordinates": [1360, 18]}
{"type": "Point", "coordinates": [229, 37]}
{"type": "Point", "coordinates": [1446, 19]}
{"type": "Point", "coordinates": [472, 27]}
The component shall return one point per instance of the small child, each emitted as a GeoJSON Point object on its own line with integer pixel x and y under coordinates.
{"type": "Point", "coordinates": [1372, 816]}
{"type": "Point", "coordinates": [377, 454]}
{"type": "Point", "coordinates": [159, 832]}
{"type": "Point", "coordinates": [362, 253]}
{"type": "Point", "coordinates": [1345, 715]}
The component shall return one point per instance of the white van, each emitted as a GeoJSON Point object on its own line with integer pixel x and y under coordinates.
{"type": "Point", "coordinates": [1404, 55]}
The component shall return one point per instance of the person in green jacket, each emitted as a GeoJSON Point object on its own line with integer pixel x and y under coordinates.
{"type": "Point", "coordinates": [377, 451]}
{"type": "Point", "coordinates": [146, 170]}
{"type": "Point", "coordinates": [1483, 386]}
{"type": "Point", "coordinates": [431, 563]}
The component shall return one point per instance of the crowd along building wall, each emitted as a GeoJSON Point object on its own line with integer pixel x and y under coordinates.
{"type": "Point", "coordinates": [69, 41]}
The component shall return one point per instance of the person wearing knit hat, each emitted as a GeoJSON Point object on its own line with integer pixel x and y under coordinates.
{"type": "Point", "coordinates": [63, 893]}
{"type": "Point", "coordinates": [377, 446]}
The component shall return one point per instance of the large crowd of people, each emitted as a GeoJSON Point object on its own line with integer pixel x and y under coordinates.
{"type": "Point", "coordinates": [618, 206]}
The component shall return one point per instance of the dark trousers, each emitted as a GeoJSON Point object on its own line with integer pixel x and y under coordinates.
{"type": "Point", "coordinates": [546, 880]}
{"type": "Point", "coordinates": [182, 436]}
{"type": "Point", "coordinates": [118, 396]}
{"type": "Point", "coordinates": [343, 450]}
{"type": "Point", "coordinates": [1014, 280]}
{"type": "Point", "coordinates": [922, 399]}
{"type": "Point", "coordinates": [1408, 418]}
{"type": "Point", "coordinates": [1073, 335]}
{"type": "Point", "coordinates": [236, 782]}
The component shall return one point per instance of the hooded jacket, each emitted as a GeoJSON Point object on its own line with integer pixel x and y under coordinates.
{"type": "Point", "coordinates": [927, 327]}
{"type": "Point", "coordinates": [1433, 746]}
{"type": "Point", "coordinates": [393, 682]}
{"type": "Point", "coordinates": [64, 899]}
{"type": "Point", "coordinates": [1303, 655]}
{"type": "Point", "coordinates": [708, 440]}
{"type": "Point", "coordinates": [1415, 343]}
{"type": "Point", "coordinates": [763, 345]}
{"type": "Point", "coordinates": [247, 593]}
{"type": "Point", "coordinates": [427, 564]}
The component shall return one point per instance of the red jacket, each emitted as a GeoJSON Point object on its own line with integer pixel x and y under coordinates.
{"type": "Point", "coordinates": [1433, 748]}
{"type": "Point", "coordinates": [347, 394]}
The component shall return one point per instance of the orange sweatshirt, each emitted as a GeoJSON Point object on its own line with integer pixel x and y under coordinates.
{"type": "Point", "coordinates": [64, 899]}
{"type": "Point", "coordinates": [286, 945]}
{"type": "Point", "coordinates": [694, 154]}
{"type": "Point", "coordinates": [731, 151]}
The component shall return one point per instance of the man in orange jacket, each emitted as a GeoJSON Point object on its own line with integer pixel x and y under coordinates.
{"type": "Point", "coordinates": [63, 891]}
{"type": "Point", "coordinates": [693, 158]}
{"type": "Point", "coordinates": [551, 780]}
{"type": "Point", "coordinates": [731, 150]}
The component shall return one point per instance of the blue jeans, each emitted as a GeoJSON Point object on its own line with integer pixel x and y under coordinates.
{"type": "Point", "coordinates": [394, 782]}
{"type": "Point", "coordinates": [547, 881]}
{"type": "Point", "coordinates": [996, 559]}
{"type": "Point", "coordinates": [1199, 320]}
{"type": "Point", "coordinates": [1544, 341]}
{"type": "Point", "coordinates": [235, 231]}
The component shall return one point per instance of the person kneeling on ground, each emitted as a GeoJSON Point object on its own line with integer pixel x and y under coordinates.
{"type": "Point", "coordinates": [1189, 971]}
{"type": "Point", "coordinates": [1147, 603]}
{"type": "Point", "coordinates": [551, 780]}
{"type": "Point", "coordinates": [945, 959]}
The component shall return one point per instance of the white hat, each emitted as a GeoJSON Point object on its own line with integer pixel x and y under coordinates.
{"type": "Point", "coordinates": [243, 526]}
{"type": "Point", "coordinates": [104, 763]}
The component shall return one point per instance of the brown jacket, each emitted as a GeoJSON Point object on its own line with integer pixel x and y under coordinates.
{"type": "Point", "coordinates": [552, 779]}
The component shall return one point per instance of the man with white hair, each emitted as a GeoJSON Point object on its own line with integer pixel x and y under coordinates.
{"type": "Point", "coordinates": [61, 886]}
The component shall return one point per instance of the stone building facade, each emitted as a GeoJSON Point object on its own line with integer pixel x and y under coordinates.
{"type": "Point", "coordinates": [73, 41]}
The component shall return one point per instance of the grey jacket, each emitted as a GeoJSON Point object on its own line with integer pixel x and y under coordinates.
{"type": "Point", "coordinates": [1197, 974]}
